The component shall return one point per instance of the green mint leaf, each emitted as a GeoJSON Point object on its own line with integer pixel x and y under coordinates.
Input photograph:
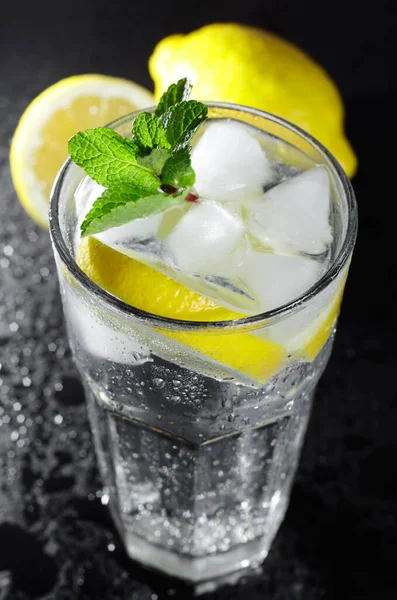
{"type": "Point", "coordinates": [122, 204]}
{"type": "Point", "coordinates": [182, 120]}
{"type": "Point", "coordinates": [110, 159]}
{"type": "Point", "coordinates": [148, 132]}
{"type": "Point", "coordinates": [177, 92]}
{"type": "Point", "coordinates": [155, 160]}
{"type": "Point", "coordinates": [147, 174]}
{"type": "Point", "coordinates": [178, 170]}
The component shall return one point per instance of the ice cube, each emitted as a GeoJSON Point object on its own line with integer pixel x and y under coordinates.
{"type": "Point", "coordinates": [277, 280]}
{"type": "Point", "coordinates": [85, 195]}
{"type": "Point", "coordinates": [229, 162]}
{"type": "Point", "coordinates": [294, 216]}
{"type": "Point", "coordinates": [205, 236]}
{"type": "Point", "coordinates": [117, 237]}
{"type": "Point", "coordinates": [299, 328]}
{"type": "Point", "coordinates": [138, 229]}
{"type": "Point", "coordinates": [103, 339]}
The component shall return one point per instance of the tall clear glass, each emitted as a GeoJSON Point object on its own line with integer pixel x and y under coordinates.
{"type": "Point", "coordinates": [198, 458]}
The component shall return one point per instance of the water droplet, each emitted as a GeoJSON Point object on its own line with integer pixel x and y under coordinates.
{"type": "Point", "coordinates": [160, 383]}
{"type": "Point", "coordinates": [105, 499]}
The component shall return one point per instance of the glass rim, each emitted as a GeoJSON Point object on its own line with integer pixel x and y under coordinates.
{"type": "Point", "coordinates": [259, 319]}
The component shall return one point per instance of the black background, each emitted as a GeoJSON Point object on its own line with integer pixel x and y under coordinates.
{"type": "Point", "coordinates": [339, 539]}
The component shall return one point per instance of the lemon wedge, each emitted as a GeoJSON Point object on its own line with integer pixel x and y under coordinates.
{"type": "Point", "coordinates": [147, 289]}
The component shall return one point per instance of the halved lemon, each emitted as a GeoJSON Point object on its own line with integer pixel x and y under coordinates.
{"type": "Point", "coordinates": [39, 145]}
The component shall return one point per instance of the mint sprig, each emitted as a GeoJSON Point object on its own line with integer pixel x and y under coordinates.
{"type": "Point", "coordinates": [120, 205]}
{"type": "Point", "coordinates": [177, 92]}
{"type": "Point", "coordinates": [182, 120]}
{"type": "Point", "coordinates": [149, 133]}
{"type": "Point", "coordinates": [110, 159]}
{"type": "Point", "coordinates": [155, 160]}
{"type": "Point", "coordinates": [148, 173]}
{"type": "Point", "coordinates": [178, 170]}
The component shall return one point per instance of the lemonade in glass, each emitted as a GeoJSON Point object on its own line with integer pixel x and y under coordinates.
{"type": "Point", "coordinates": [200, 332]}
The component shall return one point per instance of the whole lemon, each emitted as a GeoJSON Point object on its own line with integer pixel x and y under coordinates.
{"type": "Point", "coordinates": [229, 62]}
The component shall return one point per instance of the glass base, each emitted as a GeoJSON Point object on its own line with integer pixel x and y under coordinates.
{"type": "Point", "coordinates": [210, 571]}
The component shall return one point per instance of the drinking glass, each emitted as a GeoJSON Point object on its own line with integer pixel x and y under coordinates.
{"type": "Point", "coordinates": [197, 458]}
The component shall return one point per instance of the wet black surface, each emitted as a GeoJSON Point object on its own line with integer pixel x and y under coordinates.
{"type": "Point", "coordinates": [339, 538]}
